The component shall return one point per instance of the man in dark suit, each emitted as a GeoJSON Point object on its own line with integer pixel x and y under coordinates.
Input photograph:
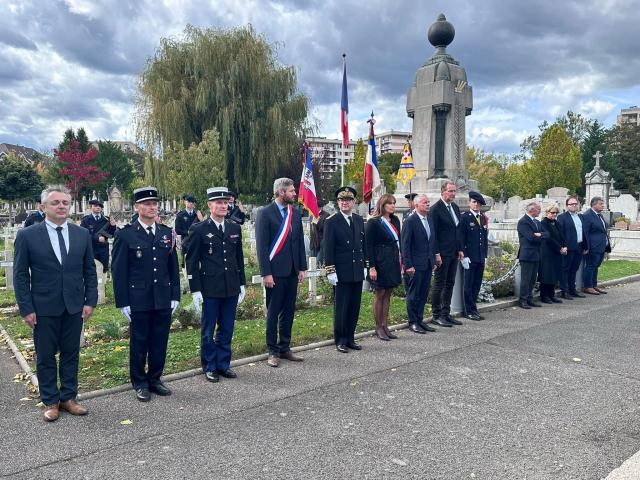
{"type": "Point", "coordinates": [418, 256]}
{"type": "Point", "coordinates": [410, 205]}
{"type": "Point", "coordinates": [56, 288]}
{"type": "Point", "coordinates": [345, 252]}
{"type": "Point", "coordinates": [184, 219]}
{"type": "Point", "coordinates": [570, 223]}
{"type": "Point", "coordinates": [445, 215]}
{"type": "Point", "coordinates": [283, 261]}
{"type": "Point", "coordinates": [215, 270]}
{"type": "Point", "coordinates": [472, 235]}
{"type": "Point", "coordinates": [146, 286]}
{"type": "Point", "coordinates": [530, 234]}
{"type": "Point", "coordinates": [37, 216]}
{"type": "Point", "coordinates": [597, 239]}
{"type": "Point", "coordinates": [101, 229]}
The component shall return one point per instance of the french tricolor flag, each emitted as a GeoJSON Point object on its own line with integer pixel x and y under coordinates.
{"type": "Point", "coordinates": [371, 174]}
{"type": "Point", "coordinates": [344, 105]}
{"type": "Point", "coordinates": [307, 191]}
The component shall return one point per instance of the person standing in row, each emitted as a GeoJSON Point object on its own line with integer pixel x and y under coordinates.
{"type": "Point", "coordinates": [184, 219]}
{"type": "Point", "coordinates": [215, 270]}
{"type": "Point", "coordinates": [446, 217]}
{"type": "Point", "coordinates": [283, 261]}
{"type": "Point", "coordinates": [598, 243]}
{"type": "Point", "coordinates": [101, 229]}
{"type": "Point", "coordinates": [382, 235]}
{"type": "Point", "coordinates": [56, 289]}
{"type": "Point", "coordinates": [146, 286]}
{"type": "Point", "coordinates": [418, 256]}
{"type": "Point", "coordinates": [410, 205]}
{"type": "Point", "coordinates": [235, 210]}
{"type": "Point", "coordinates": [345, 253]}
{"type": "Point", "coordinates": [570, 224]}
{"type": "Point", "coordinates": [530, 235]}
{"type": "Point", "coordinates": [36, 217]}
{"type": "Point", "coordinates": [474, 245]}
{"type": "Point", "coordinates": [554, 248]}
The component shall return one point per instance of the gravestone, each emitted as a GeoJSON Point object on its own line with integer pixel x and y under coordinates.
{"type": "Point", "coordinates": [628, 206]}
{"type": "Point", "coordinates": [559, 195]}
{"type": "Point", "coordinates": [598, 183]}
{"type": "Point", "coordinates": [512, 210]}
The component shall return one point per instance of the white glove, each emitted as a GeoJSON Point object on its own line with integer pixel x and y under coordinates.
{"type": "Point", "coordinates": [333, 279]}
{"type": "Point", "coordinates": [197, 301]}
{"type": "Point", "coordinates": [174, 306]}
{"type": "Point", "coordinates": [126, 311]}
{"type": "Point", "coordinates": [241, 296]}
{"type": "Point", "coordinates": [365, 273]}
{"type": "Point", "coordinates": [466, 262]}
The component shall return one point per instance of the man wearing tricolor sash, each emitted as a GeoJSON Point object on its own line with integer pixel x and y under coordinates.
{"type": "Point", "coordinates": [283, 261]}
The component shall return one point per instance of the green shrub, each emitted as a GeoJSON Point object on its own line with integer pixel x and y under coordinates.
{"type": "Point", "coordinates": [496, 267]}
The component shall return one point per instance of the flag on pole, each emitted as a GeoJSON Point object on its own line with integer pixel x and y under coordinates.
{"type": "Point", "coordinates": [344, 106]}
{"type": "Point", "coordinates": [371, 174]}
{"type": "Point", "coordinates": [307, 191]}
{"type": "Point", "coordinates": [406, 171]}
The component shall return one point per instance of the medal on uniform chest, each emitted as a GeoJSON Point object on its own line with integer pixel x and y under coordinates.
{"type": "Point", "coordinates": [210, 236]}
{"type": "Point", "coordinates": [138, 253]}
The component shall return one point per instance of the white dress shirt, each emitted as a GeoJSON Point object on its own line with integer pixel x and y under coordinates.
{"type": "Point", "coordinates": [53, 237]}
{"type": "Point", "coordinates": [145, 226]}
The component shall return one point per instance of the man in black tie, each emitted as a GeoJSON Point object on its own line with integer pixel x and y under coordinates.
{"type": "Point", "coordinates": [418, 255]}
{"type": "Point", "coordinates": [530, 235]}
{"type": "Point", "coordinates": [37, 216]}
{"type": "Point", "coordinates": [56, 288]}
{"type": "Point", "coordinates": [446, 216]}
{"type": "Point", "coordinates": [597, 240]}
{"type": "Point", "coordinates": [100, 228]}
{"type": "Point", "coordinates": [283, 261]}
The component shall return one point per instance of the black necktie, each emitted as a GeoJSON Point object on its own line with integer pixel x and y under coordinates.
{"type": "Point", "coordinates": [220, 229]}
{"type": "Point", "coordinates": [150, 230]}
{"type": "Point", "coordinates": [62, 245]}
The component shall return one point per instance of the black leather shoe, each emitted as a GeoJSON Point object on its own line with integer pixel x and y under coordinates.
{"type": "Point", "coordinates": [452, 320]}
{"type": "Point", "coordinates": [160, 389]}
{"type": "Point", "coordinates": [477, 314]}
{"type": "Point", "coordinates": [143, 394]}
{"type": "Point", "coordinates": [212, 377]}
{"type": "Point", "coordinates": [545, 300]}
{"type": "Point", "coordinates": [415, 328]}
{"type": "Point", "coordinates": [555, 300]}
{"type": "Point", "coordinates": [472, 316]}
{"type": "Point", "coordinates": [228, 373]}
{"type": "Point", "coordinates": [524, 305]}
{"type": "Point", "coordinates": [567, 296]}
{"type": "Point", "coordinates": [426, 327]}
{"type": "Point", "coordinates": [442, 322]}
{"type": "Point", "coordinates": [578, 294]}
{"type": "Point", "coordinates": [533, 304]}
{"type": "Point", "coordinates": [354, 346]}
{"type": "Point", "coordinates": [342, 348]}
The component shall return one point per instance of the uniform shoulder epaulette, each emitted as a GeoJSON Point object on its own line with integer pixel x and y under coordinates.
{"type": "Point", "coordinates": [332, 215]}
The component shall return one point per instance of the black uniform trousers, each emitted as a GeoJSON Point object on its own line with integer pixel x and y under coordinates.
{"type": "Point", "coordinates": [444, 280]}
{"type": "Point", "coordinates": [570, 266]}
{"type": "Point", "coordinates": [103, 257]}
{"type": "Point", "coordinates": [417, 288]}
{"type": "Point", "coordinates": [472, 282]}
{"type": "Point", "coordinates": [346, 311]}
{"type": "Point", "coordinates": [528, 275]}
{"type": "Point", "coordinates": [50, 336]}
{"type": "Point", "coordinates": [281, 304]}
{"type": "Point", "coordinates": [148, 346]}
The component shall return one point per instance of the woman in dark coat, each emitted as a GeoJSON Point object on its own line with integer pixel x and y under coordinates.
{"type": "Point", "coordinates": [382, 235]}
{"type": "Point", "coordinates": [554, 248]}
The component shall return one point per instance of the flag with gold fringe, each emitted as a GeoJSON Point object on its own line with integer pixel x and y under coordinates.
{"type": "Point", "coordinates": [406, 171]}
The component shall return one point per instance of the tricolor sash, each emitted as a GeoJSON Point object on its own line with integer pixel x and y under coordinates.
{"type": "Point", "coordinates": [391, 230]}
{"type": "Point", "coordinates": [282, 235]}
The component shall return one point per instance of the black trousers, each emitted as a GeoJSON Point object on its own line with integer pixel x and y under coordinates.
{"type": "Point", "coordinates": [528, 275]}
{"type": "Point", "coordinates": [443, 282]}
{"type": "Point", "coordinates": [148, 346]}
{"type": "Point", "coordinates": [346, 310]}
{"type": "Point", "coordinates": [547, 290]}
{"type": "Point", "coordinates": [50, 336]}
{"type": "Point", "coordinates": [103, 258]}
{"type": "Point", "coordinates": [281, 305]}
{"type": "Point", "coordinates": [570, 265]}
{"type": "Point", "coordinates": [472, 283]}
{"type": "Point", "coordinates": [417, 288]}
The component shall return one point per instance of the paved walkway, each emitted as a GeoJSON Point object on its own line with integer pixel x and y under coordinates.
{"type": "Point", "coordinates": [549, 393]}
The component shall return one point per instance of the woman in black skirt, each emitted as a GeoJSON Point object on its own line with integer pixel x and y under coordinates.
{"type": "Point", "coordinates": [553, 249]}
{"type": "Point", "coordinates": [382, 234]}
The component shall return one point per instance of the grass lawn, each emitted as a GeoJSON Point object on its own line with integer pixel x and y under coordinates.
{"type": "Point", "coordinates": [612, 269]}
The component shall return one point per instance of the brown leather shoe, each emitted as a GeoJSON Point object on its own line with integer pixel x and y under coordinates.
{"type": "Point", "coordinates": [51, 413]}
{"type": "Point", "coordinates": [591, 291]}
{"type": "Point", "coordinates": [600, 291]}
{"type": "Point", "coordinates": [73, 407]}
{"type": "Point", "coordinates": [291, 357]}
{"type": "Point", "coordinates": [273, 361]}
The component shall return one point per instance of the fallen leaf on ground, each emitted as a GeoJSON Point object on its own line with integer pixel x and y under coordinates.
{"type": "Point", "coordinates": [25, 399]}
{"type": "Point", "coordinates": [126, 422]}
{"type": "Point", "coordinates": [576, 359]}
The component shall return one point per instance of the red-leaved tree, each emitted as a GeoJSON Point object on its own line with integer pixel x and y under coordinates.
{"type": "Point", "coordinates": [77, 170]}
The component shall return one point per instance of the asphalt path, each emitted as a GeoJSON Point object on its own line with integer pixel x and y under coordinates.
{"type": "Point", "coordinates": [548, 393]}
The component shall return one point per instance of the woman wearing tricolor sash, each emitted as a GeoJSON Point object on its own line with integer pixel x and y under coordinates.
{"type": "Point", "coordinates": [382, 234]}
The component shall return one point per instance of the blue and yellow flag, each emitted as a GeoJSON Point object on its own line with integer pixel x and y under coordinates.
{"type": "Point", "coordinates": [406, 171]}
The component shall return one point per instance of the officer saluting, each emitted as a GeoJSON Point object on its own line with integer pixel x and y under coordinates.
{"type": "Point", "coordinates": [185, 218]}
{"type": "Point", "coordinates": [215, 269]}
{"type": "Point", "coordinates": [344, 255]}
{"type": "Point", "coordinates": [100, 228]}
{"type": "Point", "coordinates": [146, 285]}
{"type": "Point", "coordinates": [472, 235]}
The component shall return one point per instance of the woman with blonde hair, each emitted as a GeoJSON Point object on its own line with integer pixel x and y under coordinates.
{"type": "Point", "coordinates": [554, 247]}
{"type": "Point", "coordinates": [382, 235]}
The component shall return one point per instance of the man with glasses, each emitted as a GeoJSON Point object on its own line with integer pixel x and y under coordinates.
{"type": "Point", "coordinates": [570, 223]}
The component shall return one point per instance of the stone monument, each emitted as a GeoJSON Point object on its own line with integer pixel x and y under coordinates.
{"type": "Point", "coordinates": [438, 102]}
{"type": "Point", "coordinates": [598, 183]}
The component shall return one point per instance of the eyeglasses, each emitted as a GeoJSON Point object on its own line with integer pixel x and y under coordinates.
{"type": "Point", "coordinates": [572, 204]}
{"type": "Point", "coordinates": [553, 213]}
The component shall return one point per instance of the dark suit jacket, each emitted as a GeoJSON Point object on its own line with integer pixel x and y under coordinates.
{"type": "Point", "coordinates": [35, 217]}
{"type": "Point", "coordinates": [345, 249]}
{"type": "Point", "coordinates": [292, 257]}
{"type": "Point", "coordinates": [383, 252]}
{"type": "Point", "coordinates": [473, 237]}
{"type": "Point", "coordinates": [594, 233]}
{"type": "Point", "coordinates": [44, 286]}
{"type": "Point", "coordinates": [95, 228]}
{"type": "Point", "coordinates": [568, 230]}
{"type": "Point", "coordinates": [417, 251]}
{"type": "Point", "coordinates": [445, 228]}
{"type": "Point", "coordinates": [530, 245]}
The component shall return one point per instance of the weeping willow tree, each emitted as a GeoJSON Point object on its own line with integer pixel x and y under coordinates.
{"type": "Point", "coordinates": [229, 80]}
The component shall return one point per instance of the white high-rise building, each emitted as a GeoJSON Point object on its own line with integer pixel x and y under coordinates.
{"type": "Point", "coordinates": [329, 153]}
{"type": "Point", "coordinates": [391, 142]}
{"type": "Point", "coordinates": [629, 115]}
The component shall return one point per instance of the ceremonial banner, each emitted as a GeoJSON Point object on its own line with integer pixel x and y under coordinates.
{"type": "Point", "coordinates": [307, 191]}
{"type": "Point", "coordinates": [344, 108]}
{"type": "Point", "coordinates": [406, 171]}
